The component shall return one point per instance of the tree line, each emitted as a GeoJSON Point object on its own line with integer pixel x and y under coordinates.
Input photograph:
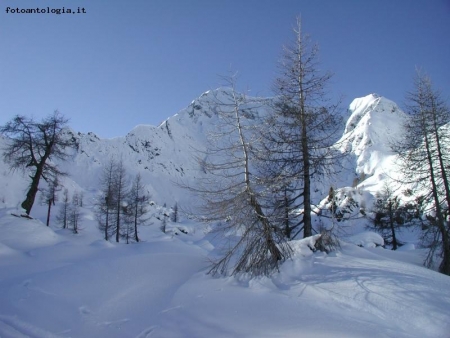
{"type": "Point", "coordinates": [36, 146]}
{"type": "Point", "coordinates": [122, 205]}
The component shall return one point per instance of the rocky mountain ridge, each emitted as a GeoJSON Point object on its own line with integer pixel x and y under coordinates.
{"type": "Point", "coordinates": [166, 154]}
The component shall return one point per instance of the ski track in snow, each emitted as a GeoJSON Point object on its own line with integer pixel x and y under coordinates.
{"type": "Point", "coordinates": [147, 332]}
{"type": "Point", "coordinates": [12, 327]}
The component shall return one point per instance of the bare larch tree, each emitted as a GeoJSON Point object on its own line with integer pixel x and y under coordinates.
{"type": "Point", "coordinates": [36, 146]}
{"type": "Point", "coordinates": [424, 157]}
{"type": "Point", "coordinates": [231, 193]}
{"type": "Point", "coordinates": [300, 133]}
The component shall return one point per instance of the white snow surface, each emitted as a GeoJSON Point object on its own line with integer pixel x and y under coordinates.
{"type": "Point", "coordinates": [367, 239]}
{"type": "Point", "coordinates": [57, 284]}
{"type": "Point", "coordinates": [54, 283]}
{"type": "Point", "coordinates": [373, 124]}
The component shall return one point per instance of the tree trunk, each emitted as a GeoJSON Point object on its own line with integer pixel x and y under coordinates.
{"type": "Point", "coordinates": [106, 224]}
{"type": "Point", "coordinates": [391, 224]}
{"type": "Point", "coordinates": [443, 169]}
{"type": "Point", "coordinates": [287, 227]}
{"type": "Point", "coordinates": [273, 248]}
{"type": "Point", "coordinates": [118, 222]}
{"type": "Point", "coordinates": [31, 194]}
{"type": "Point", "coordinates": [119, 202]}
{"type": "Point", "coordinates": [445, 264]}
{"type": "Point", "coordinates": [48, 211]}
{"type": "Point", "coordinates": [107, 217]}
{"type": "Point", "coordinates": [441, 155]}
{"type": "Point", "coordinates": [307, 226]}
{"type": "Point", "coordinates": [136, 223]}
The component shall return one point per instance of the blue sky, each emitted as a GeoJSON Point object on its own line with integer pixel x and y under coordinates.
{"type": "Point", "coordinates": [125, 63]}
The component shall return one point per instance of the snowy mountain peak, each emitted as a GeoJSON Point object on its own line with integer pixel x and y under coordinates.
{"type": "Point", "coordinates": [164, 154]}
{"type": "Point", "coordinates": [364, 102]}
{"type": "Point", "coordinates": [367, 106]}
{"type": "Point", "coordinates": [374, 123]}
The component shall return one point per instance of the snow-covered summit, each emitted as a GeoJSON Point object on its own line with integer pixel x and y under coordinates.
{"type": "Point", "coordinates": [165, 154]}
{"type": "Point", "coordinates": [162, 154]}
{"type": "Point", "coordinates": [374, 123]}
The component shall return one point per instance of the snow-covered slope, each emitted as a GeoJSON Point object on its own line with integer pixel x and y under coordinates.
{"type": "Point", "coordinates": [56, 284]}
{"type": "Point", "coordinates": [367, 162]}
{"type": "Point", "coordinates": [374, 123]}
{"type": "Point", "coordinates": [165, 154]}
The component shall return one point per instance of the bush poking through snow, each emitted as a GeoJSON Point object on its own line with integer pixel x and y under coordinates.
{"type": "Point", "coordinates": [327, 242]}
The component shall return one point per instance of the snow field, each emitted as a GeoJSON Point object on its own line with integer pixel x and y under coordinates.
{"type": "Point", "coordinates": [64, 285]}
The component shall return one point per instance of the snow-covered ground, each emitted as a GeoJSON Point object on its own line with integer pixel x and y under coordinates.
{"type": "Point", "coordinates": [54, 283]}
{"type": "Point", "coordinates": [57, 284]}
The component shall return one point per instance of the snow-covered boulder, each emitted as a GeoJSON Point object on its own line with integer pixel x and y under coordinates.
{"type": "Point", "coordinates": [366, 239]}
